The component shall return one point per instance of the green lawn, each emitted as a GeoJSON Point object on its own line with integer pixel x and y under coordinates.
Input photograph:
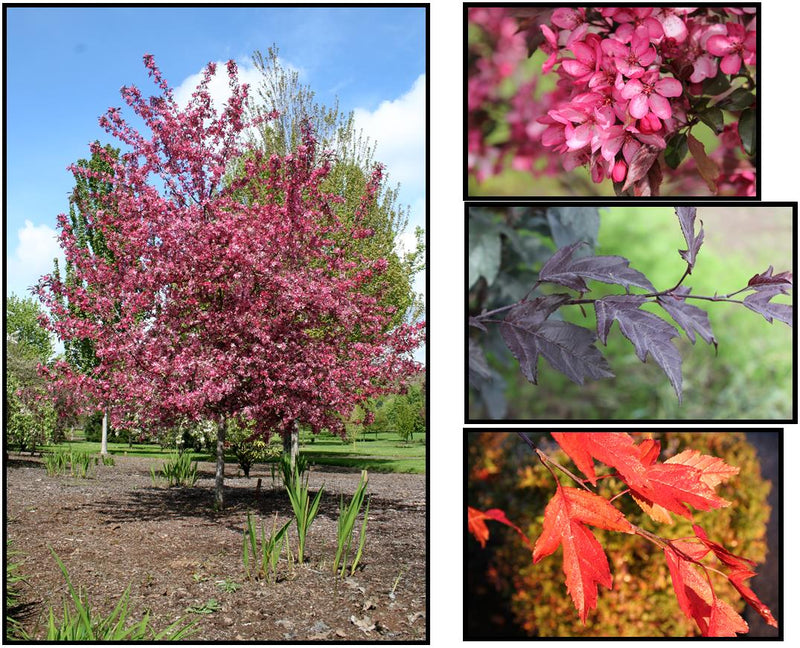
{"type": "Point", "coordinates": [382, 452]}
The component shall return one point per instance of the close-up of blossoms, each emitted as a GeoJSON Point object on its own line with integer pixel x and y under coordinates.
{"type": "Point", "coordinates": [626, 101]}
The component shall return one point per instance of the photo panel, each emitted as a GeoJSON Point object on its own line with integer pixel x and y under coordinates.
{"type": "Point", "coordinates": [564, 100]}
{"type": "Point", "coordinates": [648, 534]}
{"type": "Point", "coordinates": [618, 312]}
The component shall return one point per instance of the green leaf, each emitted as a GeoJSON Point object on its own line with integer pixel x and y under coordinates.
{"type": "Point", "coordinates": [737, 100]}
{"type": "Point", "coordinates": [676, 150]}
{"type": "Point", "coordinates": [713, 118]}
{"type": "Point", "coordinates": [747, 130]}
{"type": "Point", "coordinates": [717, 85]}
{"type": "Point", "coordinates": [484, 250]}
{"type": "Point", "coordinates": [572, 224]}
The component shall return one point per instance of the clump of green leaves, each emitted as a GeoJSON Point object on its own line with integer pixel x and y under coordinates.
{"type": "Point", "coordinates": [265, 560]}
{"type": "Point", "coordinates": [79, 625]}
{"type": "Point", "coordinates": [77, 463]}
{"type": "Point", "coordinates": [348, 515]}
{"type": "Point", "coordinates": [305, 510]}
{"type": "Point", "coordinates": [178, 470]}
{"type": "Point", "coordinates": [14, 577]}
{"type": "Point", "coordinates": [246, 449]}
{"type": "Point", "coordinates": [209, 607]}
{"type": "Point", "coordinates": [292, 473]}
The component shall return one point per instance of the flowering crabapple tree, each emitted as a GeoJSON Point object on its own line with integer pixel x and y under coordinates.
{"type": "Point", "coordinates": [220, 304]}
{"type": "Point", "coordinates": [638, 96]}
{"type": "Point", "coordinates": [661, 490]}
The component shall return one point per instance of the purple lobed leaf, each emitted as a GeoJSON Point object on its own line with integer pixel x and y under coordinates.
{"type": "Point", "coordinates": [647, 332]}
{"type": "Point", "coordinates": [475, 322]}
{"type": "Point", "coordinates": [766, 278]}
{"type": "Point", "coordinates": [562, 269]}
{"type": "Point", "coordinates": [760, 302]}
{"type": "Point", "coordinates": [479, 370]}
{"type": "Point", "coordinates": [567, 347]}
{"type": "Point", "coordinates": [690, 318]}
{"type": "Point", "coordinates": [686, 217]}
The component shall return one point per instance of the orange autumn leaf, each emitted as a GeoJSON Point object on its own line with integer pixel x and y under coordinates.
{"type": "Point", "coordinates": [584, 562]}
{"type": "Point", "coordinates": [476, 524]}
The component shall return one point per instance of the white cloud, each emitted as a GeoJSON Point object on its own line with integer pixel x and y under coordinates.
{"type": "Point", "coordinates": [218, 86]}
{"type": "Point", "coordinates": [398, 127]}
{"type": "Point", "coordinates": [33, 257]}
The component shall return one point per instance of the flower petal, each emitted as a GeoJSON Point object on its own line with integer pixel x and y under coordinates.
{"type": "Point", "coordinates": [638, 107]}
{"type": "Point", "coordinates": [669, 87]}
{"type": "Point", "coordinates": [731, 64]}
{"type": "Point", "coordinates": [631, 89]}
{"type": "Point", "coordinates": [719, 45]}
{"type": "Point", "coordinates": [660, 106]}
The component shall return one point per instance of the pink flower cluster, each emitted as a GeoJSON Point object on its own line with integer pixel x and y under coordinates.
{"type": "Point", "coordinates": [628, 80]}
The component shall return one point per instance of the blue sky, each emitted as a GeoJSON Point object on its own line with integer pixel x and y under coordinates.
{"type": "Point", "coordinates": [65, 67]}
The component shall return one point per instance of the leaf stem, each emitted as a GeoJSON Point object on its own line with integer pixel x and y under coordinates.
{"type": "Point", "coordinates": [547, 461]}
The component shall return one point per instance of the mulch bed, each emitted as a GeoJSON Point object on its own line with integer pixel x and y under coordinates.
{"type": "Point", "coordinates": [116, 530]}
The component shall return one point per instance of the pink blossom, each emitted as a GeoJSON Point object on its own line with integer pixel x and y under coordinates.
{"type": "Point", "coordinates": [650, 94]}
{"type": "Point", "coordinates": [735, 47]}
{"type": "Point", "coordinates": [631, 60]}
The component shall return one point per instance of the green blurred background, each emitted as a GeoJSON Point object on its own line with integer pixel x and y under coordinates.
{"type": "Point", "coordinates": [751, 375]}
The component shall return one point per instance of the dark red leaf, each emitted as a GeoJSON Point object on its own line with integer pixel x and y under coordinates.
{"type": "Point", "coordinates": [689, 317]}
{"type": "Point", "coordinates": [640, 165]}
{"type": "Point", "coordinates": [760, 302]}
{"type": "Point", "coordinates": [647, 332]}
{"type": "Point", "coordinates": [562, 269]}
{"type": "Point", "coordinates": [686, 217]}
{"type": "Point", "coordinates": [568, 348]}
{"type": "Point", "coordinates": [741, 570]}
{"type": "Point", "coordinates": [766, 278]}
{"type": "Point", "coordinates": [707, 168]}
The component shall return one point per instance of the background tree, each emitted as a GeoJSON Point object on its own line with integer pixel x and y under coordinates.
{"type": "Point", "coordinates": [85, 200]}
{"type": "Point", "coordinates": [30, 417]}
{"type": "Point", "coordinates": [215, 306]}
{"type": "Point", "coordinates": [293, 104]}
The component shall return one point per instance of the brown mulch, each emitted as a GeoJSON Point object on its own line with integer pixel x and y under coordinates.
{"type": "Point", "coordinates": [116, 530]}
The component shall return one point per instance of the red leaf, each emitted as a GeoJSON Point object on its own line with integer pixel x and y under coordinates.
{"type": "Point", "coordinates": [584, 562]}
{"type": "Point", "coordinates": [649, 450]}
{"type": "Point", "coordinates": [615, 449]}
{"type": "Point", "coordinates": [477, 525]}
{"type": "Point", "coordinates": [707, 168]}
{"type": "Point", "coordinates": [741, 570]}
{"type": "Point", "coordinates": [697, 600]}
{"type": "Point", "coordinates": [669, 484]}
{"type": "Point", "coordinates": [673, 485]}
{"type": "Point", "coordinates": [766, 278]}
{"type": "Point", "coordinates": [640, 165]}
{"type": "Point", "coordinates": [714, 470]}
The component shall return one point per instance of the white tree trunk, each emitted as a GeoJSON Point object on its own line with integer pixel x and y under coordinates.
{"type": "Point", "coordinates": [291, 444]}
{"type": "Point", "coordinates": [219, 478]}
{"type": "Point", "coordinates": [104, 437]}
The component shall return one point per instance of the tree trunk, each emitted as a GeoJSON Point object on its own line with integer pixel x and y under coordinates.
{"type": "Point", "coordinates": [104, 436]}
{"type": "Point", "coordinates": [220, 476]}
{"type": "Point", "coordinates": [291, 444]}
